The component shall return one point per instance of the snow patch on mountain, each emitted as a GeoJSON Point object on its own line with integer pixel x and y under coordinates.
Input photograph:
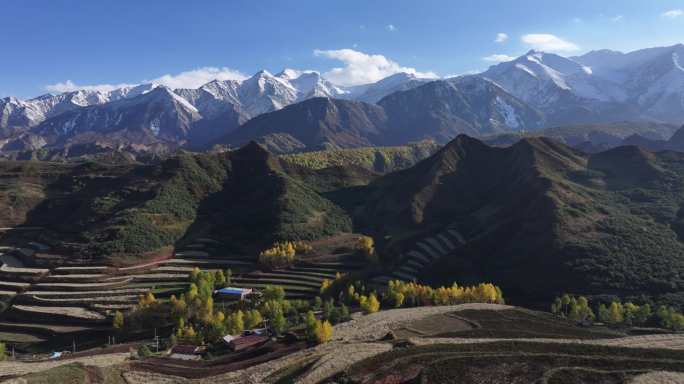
{"type": "Point", "coordinates": [508, 113]}
{"type": "Point", "coordinates": [675, 61]}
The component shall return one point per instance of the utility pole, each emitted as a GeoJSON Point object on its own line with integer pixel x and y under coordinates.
{"type": "Point", "coordinates": [156, 339]}
{"type": "Point", "coordinates": [74, 346]}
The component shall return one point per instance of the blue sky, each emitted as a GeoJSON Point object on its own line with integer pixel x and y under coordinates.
{"type": "Point", "coordinates": [46, 43]}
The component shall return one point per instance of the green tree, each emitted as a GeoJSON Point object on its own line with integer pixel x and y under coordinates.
{"type": "Point", "coordinates": [253, 319]}
{"type": "Point", "coordinates": [616, 313]}
{"type": "Point", "coordinates": [584, 312]}
{"type": "Point", "coordinates": [279, 322]}
{"type": "Point", "coordinates": [310, 322]}
{"type": "Point", "coordinates": [219, 279]}
{"type": "Point", "coordinates": [3, 352]}
{"type": "Point", "coordinates": [604, 315]}
{"type": "Point", "coordinates": [344, 313]}
{"type": "Point", "coordinates": [642, 314]}
{"type": "Point", "coordinates": [273, 292]}
{"type": "Point", "coordinates": [235, 323]}
{"type": "Point", "coordinates": [194, 275]}
{"type": "Point", "coordinates": [328, 308]}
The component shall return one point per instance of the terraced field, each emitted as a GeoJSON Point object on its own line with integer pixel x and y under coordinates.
{"type": "Point", "coordinates": [77, 302]}
{"type": "Point", "coordinates": [424, 252]}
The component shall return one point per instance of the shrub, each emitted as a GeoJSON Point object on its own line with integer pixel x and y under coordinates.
{"type": "Point", "coordinates": [144, 351]}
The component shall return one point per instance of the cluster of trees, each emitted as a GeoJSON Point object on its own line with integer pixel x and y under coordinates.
{"type": "Point", "coordinates": [282, 254]}
{"type": "Point", "coordinates": [369, 304]}
{"type": "Point", "coordinates": [355, 294]}
{"type": "Point", "coordinates": [670, 318]}
{"type": "Point", "coordinates": [410, 294]}
{"type": "Point", "coordinates": [196, 320]}
{"type": "Point", "coordinates": [577, 308]}
{"type": "Point", "coordinates": [573, 308]}
{"type": "Point", "coordinates": [194, 315]}
{"type": "Point", "coordinates": [326, 284]}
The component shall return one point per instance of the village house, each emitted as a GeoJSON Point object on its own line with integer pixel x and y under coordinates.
{"type": "Point", "coordinates": [232, 293]}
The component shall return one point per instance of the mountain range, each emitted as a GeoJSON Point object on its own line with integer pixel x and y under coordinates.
{"type": "Point", "coordinates": [538, 218]}
{"type": "Point", "coordinates": [536, 90]}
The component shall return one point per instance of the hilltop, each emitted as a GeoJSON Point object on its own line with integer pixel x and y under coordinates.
{"type": "Point", "coordinates": [536, 217]}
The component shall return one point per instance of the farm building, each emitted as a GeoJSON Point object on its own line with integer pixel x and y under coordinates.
{"type": "Point", "coordinates": [233, 293]}
{"type": "Point", "coordinates": [244, 342]}
{"type": "Point", "coordinates": [185, 352]}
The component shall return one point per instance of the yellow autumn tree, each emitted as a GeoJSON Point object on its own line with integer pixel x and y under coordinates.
{"type": "Point", "coordinates": [324, 331]}
{"type": "Point", "coordinates": [325, 285]}
{"type": "Point", "coordinates": [369, 304]}
{"type": "Point", "coordinates": [118, 321]}
{"type": "Point", "coordinates": [366, 245]}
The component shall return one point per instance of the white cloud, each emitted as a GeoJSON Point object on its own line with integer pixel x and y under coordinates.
{"type": "Point", "coordinates": [498, 58]}
{"type": "Point", "coordinates": [548, 42]}
{"type": "Point", "coordinates": [391, 27]}
{"type": "Point", "coordinates": [188, 79]}
{"type": "Point", "coordinates": [673, 13]}
{"type": "Point", "coordinates": [362, 68]}
{"type": "Point", "coordinates": [197, 77]}
{"type": "Point", "coordinates": [69, 86]}
{"type": "Point", "coordinates": [577, 20]}
{"type": "Point", "coordinates": [617, 18]}
{"type": "Point", "coordinates": [501, 37]}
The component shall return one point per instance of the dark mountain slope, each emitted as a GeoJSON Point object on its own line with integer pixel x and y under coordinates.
{"type": "Point", "coordinates": [595, 137]}
{"type": "Point", "coordinates": [313, 124]}
{"type": "Point", "coordinates": [92, 210]}
{"type": "Point", "coordinates": [538, 217]}
{"type": "Point", "coordinates": [438, 110]}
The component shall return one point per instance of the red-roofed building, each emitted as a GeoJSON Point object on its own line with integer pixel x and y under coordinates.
{"type": "Point", "coordinates": [244, 342]}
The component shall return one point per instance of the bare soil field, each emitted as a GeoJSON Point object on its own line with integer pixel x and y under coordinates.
{"type": "Point", "coordinates": [15, 368]}
{"type": "Point", "coordinates": [75, 312]}
{"type": "Point", "coordinates": [360, 352]}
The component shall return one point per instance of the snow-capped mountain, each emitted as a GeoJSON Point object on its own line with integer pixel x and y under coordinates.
{"type": "Point", "coordinates": [537, 89]}
{"type": "Point", "coordinates": [213, 109]}
{"type": "Point", "coordinates": [372, 93]}
{"type": "Point", "coordinates": [159, 113]}
{"type": "Point", "coordinates": [545, 80]}
{"type": "Point", "coordinates": [17, 115]}
{"type": "Point", "coordinates": [653, 79]}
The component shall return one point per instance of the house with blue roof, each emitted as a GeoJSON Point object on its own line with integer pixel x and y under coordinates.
{"type": "Point", "coordinates": [233, 293]}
